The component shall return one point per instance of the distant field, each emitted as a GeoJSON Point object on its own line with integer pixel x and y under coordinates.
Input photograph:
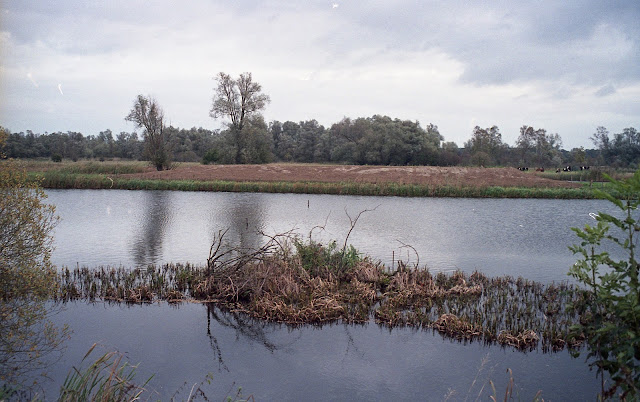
{"type": "Point", "coordinates": [409, 181]}
{"type": "Point", "coordinates": [416, 175]}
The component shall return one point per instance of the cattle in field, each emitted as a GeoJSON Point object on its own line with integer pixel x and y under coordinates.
{"type": "Point", "coordinates": [522, 168]}
{"type": "Point", "coordinates": [540, 169]}
{"type": "Point", "coordinates": [566, 169]}
{"type": "Point", "coordinates": [584, 167]}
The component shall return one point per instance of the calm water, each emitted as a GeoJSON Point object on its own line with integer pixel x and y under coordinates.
{"type": "Point", "coordinates": [182, 344]}
{"type": "Point", "coordinates": [526, 238]}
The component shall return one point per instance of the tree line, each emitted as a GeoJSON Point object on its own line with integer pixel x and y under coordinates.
{"type": "Point", "coordinates": [376, 140]}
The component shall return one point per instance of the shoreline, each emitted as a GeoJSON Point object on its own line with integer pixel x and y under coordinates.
{"type": "Point", "coordinates": [101, 182]}
{"type": "Point", "coordinates": [401, 181]}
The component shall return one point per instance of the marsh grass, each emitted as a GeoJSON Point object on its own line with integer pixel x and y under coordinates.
{"type": "Point", "coordinates": [314, 284]}
{"type": "Point", "coordinates": [105, 379]}
{"type": "Point", "coordinates": [595, 174]}
{"type": "Point", "coordinates": [514, 312]}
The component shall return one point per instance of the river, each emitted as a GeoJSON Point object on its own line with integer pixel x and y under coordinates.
{"type": "Point", "coordinates": [181, 344]}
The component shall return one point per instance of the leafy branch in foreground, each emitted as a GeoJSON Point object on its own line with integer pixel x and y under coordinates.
{"type": "Point", "coordinates": [610, 316]}
{"type": "Point", "coordinates": [27, 279]}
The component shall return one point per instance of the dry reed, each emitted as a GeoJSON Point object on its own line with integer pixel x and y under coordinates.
{"type": "Point", "coordinates": [275, 284]}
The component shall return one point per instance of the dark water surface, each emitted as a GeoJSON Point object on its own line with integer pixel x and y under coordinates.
{"type": "Point", "coordinates": [183, 343]}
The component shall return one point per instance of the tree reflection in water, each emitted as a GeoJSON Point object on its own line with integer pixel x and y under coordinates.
{"type": "Point", "coordinates": [260, 332]}
{"type": "Point", "coordinates": [244, 218]}
{"type": "Point", "coordinates": [257, 331]}
{"type": "Point", "coordinates": [147, 247]}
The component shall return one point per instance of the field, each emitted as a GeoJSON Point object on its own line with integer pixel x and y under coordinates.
{"type": "Point", "coordinates": [408, 181]}
{"type": "Point", "coordinates": [415, 175]}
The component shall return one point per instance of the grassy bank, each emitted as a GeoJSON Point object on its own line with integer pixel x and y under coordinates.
{"type": "Point", "coordinates": [595, 175]}
{"type": "Point", "coordinates": [61, 179]}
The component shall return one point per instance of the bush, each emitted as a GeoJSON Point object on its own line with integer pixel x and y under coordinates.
{"type": "Point", "coordinates": [320, 260]}
{"type": "Point", "coordinates": [210, 157]}
{"type": "Point", "coordinates": [610, 316]}
{"type": "Point", "coordinates": [56, 157]}
{"type": "Point", "coordinates": [27, 277]}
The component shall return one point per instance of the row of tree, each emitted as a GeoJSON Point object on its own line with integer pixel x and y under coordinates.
{"type": "Point", "coordinates": [621, 150]}
{"type": "Point", "coordinates": [376, 140]}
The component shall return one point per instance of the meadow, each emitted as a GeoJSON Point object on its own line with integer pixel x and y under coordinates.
{"type": "Point", "coordinates": [404, 181]}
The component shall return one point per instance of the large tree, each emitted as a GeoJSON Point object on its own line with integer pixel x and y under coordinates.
{"type": "Point", "coordinates": [146, 113]}
{"type": "Point", "coordinates": [485, 146]}
{"type": "Point", "coordinates": [238, 99]}
{"type": "Point", "coordinates": [538, 147]}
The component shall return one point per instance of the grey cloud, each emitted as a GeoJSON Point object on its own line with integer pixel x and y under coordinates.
{"type": "Point", "coordinates": [606, 90]}
{"type": "Point", "coordinates": [512, 41]}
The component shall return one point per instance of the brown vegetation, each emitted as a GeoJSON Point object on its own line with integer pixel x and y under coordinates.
{"type": "Point", "coordinates": [319, 284]}
{"type": "Point", "coordinates": [419, 175]}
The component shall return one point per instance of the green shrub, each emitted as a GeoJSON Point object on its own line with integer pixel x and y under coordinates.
{"type": "Point", "coordinates": [211, 156]}
{"type": "Point", "coordinates": [610, 316]}
{"type": "Point", "coordinates": [319, 260]}
{"type": "Point", "coordinates": [56, 157]}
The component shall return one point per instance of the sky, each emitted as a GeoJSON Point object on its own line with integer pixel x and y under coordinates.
{"type": "Point", "coordinates": [565, 66]}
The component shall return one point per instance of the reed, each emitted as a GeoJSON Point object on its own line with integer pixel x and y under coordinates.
{"type": "Point", "coordinates": [105, 379]}
{"type": "Point", "coordinates": [307, 283]}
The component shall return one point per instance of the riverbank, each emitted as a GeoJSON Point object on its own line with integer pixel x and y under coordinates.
{"type": "Point", "coordinates": [414, 181]}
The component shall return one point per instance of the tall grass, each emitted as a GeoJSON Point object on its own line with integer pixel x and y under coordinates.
{"type": "Point", "coordinates": [594, 174]}
{"type": "Point", "coordinates": [105, 379]}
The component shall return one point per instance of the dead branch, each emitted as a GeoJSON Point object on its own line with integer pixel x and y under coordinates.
{"type": "Point", "coordinates": [414, 250]}
{"type": "Point", "coordinates": [353, 225]}
{"type": "Point", "coordinates": [222, 258]}
{"type": "Point", "coordinates": [320, 227]}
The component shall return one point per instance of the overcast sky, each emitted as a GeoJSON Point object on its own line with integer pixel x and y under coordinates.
{"type": "Point", "coordinates": [566, 66]}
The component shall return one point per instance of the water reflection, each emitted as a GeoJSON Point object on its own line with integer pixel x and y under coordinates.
{"type": "Point", "coordinates": [147, 246]}
{"type": "Point", "coordinates": [527, 237]}
{"type": "Point", "coordinates": [249, 329]}
{"type": "Point", "coordinates": [243, 215]}
{"type": "Point", "coordinates": [245, 326]}
{"type": "Point", "coordinates": [332, 362]}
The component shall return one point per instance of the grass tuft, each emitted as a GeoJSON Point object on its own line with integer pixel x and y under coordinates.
{"type": "Point", "coordinates": [105, 379]}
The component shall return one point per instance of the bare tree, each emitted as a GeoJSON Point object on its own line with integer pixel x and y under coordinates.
{"type": "Point", "coordinates": [147, 113]}
{"type": "Point", "coordinates": [237, 99]}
